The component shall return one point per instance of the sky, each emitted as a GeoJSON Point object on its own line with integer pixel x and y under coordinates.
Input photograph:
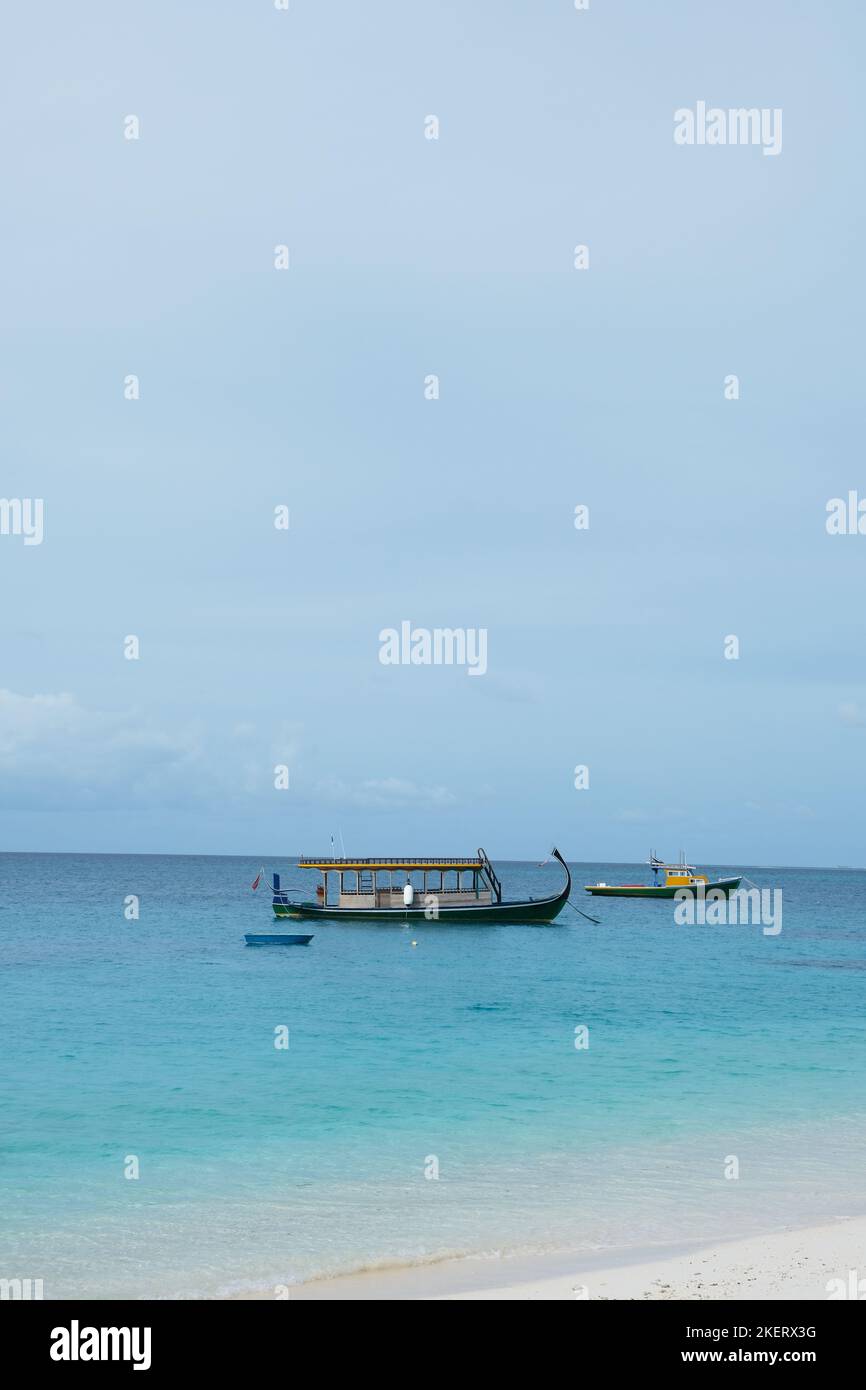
{"type": "Point", "coordinates": [603, 387]}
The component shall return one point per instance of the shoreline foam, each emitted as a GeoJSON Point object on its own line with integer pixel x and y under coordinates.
{"type": "Point", "coordinates": [790, 1264]}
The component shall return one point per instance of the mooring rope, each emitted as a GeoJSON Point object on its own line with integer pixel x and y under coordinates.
{"type": "Point", "coordinates": [597, 920]}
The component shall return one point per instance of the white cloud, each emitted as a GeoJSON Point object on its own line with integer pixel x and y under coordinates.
{"type": "Point", "coordinates": [630, 815]}
{"type": "Point", "coordinates": [384, 792]}
{"type": "Point", "coordinates": [55, 752]}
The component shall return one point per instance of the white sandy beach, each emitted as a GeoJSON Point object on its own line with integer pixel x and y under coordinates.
{"type": "Point", "coordinates": [791, 1264]}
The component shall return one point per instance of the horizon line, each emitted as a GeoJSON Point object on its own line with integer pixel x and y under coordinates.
{"type": "Point", "coordinates": [177, 854]}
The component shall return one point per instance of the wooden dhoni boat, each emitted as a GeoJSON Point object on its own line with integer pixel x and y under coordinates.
{"type": "Point", "coordinates": [412, 889]}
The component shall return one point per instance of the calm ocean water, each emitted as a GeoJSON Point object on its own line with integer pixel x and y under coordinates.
{"type": "Point", "coordinates": [261, 1166]}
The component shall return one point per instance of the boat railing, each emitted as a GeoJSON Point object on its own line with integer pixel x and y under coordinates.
{"type": "Point", "coordinates": [491, 875]}
{"type": "Point", "coordinates": [421, 861]}
{"type": "Point", "coordinates": [281, 890]}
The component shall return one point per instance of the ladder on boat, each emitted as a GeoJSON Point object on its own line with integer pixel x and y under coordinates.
{"type": "Point", "coordinates": [491, 874]}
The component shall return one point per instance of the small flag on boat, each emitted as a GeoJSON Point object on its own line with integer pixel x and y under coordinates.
{"type": "Point", "coordinates": [258, 878]}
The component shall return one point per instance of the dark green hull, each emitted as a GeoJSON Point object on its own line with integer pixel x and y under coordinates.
{"type": "Point", "coordinates": [726, 885]}
{"type": "Point", "coordinates": [544, 910]}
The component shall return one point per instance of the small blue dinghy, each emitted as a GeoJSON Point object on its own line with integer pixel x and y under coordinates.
{"type": "Point", "coordinates": [276, 939]}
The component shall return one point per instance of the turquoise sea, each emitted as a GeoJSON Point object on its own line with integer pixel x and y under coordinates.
{"type": "Point", "coordinates": [262, 1166]}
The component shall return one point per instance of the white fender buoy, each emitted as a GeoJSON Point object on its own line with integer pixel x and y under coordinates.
{"type": "Point", "coordinates": [408, 895]}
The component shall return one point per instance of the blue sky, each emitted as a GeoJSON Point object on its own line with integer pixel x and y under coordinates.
{"type": "Point", "coordinates": [557, 387]}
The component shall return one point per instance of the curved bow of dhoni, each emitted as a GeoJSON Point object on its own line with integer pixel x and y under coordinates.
{"type": "Point", "coordinates": [438, 890]}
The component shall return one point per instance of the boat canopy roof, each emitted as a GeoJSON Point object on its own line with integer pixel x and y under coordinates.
{"type": "Point", "coordinates": [409, 862]}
